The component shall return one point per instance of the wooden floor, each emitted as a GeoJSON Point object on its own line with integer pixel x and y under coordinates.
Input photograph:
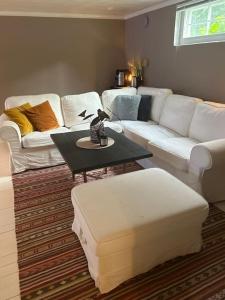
{"type": "Point", "coordinates": [9, 273]}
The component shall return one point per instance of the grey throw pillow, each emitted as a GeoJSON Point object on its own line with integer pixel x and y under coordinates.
{"type": "Point", "coordinates": [125, 107]}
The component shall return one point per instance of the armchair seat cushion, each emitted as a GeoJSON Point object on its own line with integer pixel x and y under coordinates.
{"type": "Point", "coordinates": [41, 139]}
{"type": "Point", "coordinates": [175, 151]}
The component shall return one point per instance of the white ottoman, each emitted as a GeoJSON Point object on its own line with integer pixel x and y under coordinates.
{"type": "Point", "coordinates": [130, 223]}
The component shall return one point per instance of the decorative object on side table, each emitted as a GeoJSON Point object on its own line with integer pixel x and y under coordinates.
{"type": "Point", "coordinates": [136, 68]}
{"type": "Point", "coordinates": [97, 130]}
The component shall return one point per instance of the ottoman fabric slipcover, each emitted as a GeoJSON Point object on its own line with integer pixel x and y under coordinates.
{"type": "Point", "coordinates": [130, 223]}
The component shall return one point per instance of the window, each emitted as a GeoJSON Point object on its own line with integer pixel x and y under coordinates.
{"type": "Point", "coordinates": [201, 21]}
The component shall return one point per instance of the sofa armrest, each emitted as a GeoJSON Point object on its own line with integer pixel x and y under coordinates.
{"type": "Point", "coordinates": [208, 159]}
{"type": "Point", "coordinates": [10, 132]}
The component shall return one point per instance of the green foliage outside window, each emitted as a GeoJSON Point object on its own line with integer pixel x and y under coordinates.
{"type": "Point", "coordinates": [206, 20]}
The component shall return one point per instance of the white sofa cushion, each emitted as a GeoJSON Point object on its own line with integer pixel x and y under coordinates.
{"type": "Point", "coordinates": [174, 151]}
{"type": "Point", "coordinates": [73, 105]}
{"type": "Point", "coordinates": [108, 97]}
{"type": "Point", "coordinates": [158, 100]}
{"type": "Point", "coordinates": [126, 123]}
{"type": "Point", "coordinates": [115, 126]}
{"type": "Point", "coordinates": [178, 112]}
{"type": "Point", "coordinates": [208, 122]}
{"type": "Point", "coordinates": [53, 100]}
{"type": "Point", "coordinates": [143, 132]}
{"type": "Point", "coordinates": [41, 139]}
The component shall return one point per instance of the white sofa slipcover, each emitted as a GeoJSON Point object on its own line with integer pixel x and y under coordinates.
{"type": "Point", "coordinates": [53, 99]}
{"type": "Point", "coordinates": [36, 149]}
{"type": "Point", "coordinates": [185, 135]}
{"type": "Point", "coordinates": [208, 122]}
{"type": "Point", "coordinates": [151, 218]}
{"type": "Point", "coordinates": [25, 154]}
{"type": "Point", "coordinates": [73, 105]}
{"type": "Point", "coordinates": [177, 113]}
{"type": "Point", "coordinates": [177, 135]}
{"type": "Point", "coordinates": [158, 98]}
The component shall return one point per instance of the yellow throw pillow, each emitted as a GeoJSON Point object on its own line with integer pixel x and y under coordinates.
{"type": "Point", "coordinates": [42, 117]}
{"type": "Point", "coordinates": [16, 114]}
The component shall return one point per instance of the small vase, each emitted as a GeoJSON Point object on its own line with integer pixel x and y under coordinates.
{"type": "Point", "coordinates": [96, 131]}
{"type": "Point", "coordinates": [134, 81]}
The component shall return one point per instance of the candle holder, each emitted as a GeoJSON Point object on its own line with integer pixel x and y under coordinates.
{"type": "Point", "coordinates": [103, 141]}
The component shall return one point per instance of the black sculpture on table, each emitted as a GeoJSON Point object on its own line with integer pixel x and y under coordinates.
{"type": "Point", "coordinates": [97, 129]}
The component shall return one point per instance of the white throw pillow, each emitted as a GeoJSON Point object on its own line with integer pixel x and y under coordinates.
{"type": "Point", "coordinates": [73, 105]}
{"type": "Point", "coordinates": [208, 122]}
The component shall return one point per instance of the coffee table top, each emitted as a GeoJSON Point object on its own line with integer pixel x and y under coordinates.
{"type": "Point", "coordinates": [80, 160]}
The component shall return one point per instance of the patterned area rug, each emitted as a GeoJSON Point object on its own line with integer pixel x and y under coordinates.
{"type": "Point", "coordinates": [52, 263]}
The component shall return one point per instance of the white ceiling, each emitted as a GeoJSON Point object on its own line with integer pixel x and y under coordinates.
{"type": "Point", "coordinates": [115, 9]}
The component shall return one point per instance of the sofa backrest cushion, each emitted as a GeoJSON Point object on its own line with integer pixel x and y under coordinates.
{"type": "Point", "coordinates": [73, 105]}
{"type": "Point", "coordinates": [208, 122]}
{"type": "Point", "coordinates": [53, 99]}
{"type": "Point", "coordinates": [158, 100]}
{"type": "Point", "coordinates": [125, 107]}
{"type": "Point", "coordinates": [108, 97]}
{"type": "Point", "coordinates": [178, 112]}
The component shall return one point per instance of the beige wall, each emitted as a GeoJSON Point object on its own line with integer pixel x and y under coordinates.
{"type": "Point", "coordinates": [65, 56]}
{"type": "Point", "coordinates": [197, 70]}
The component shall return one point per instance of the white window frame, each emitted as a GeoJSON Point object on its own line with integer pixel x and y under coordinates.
{"type": "Point", "coordinates": [179, 39]}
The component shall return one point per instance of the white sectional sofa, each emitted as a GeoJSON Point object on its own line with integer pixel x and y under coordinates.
{"type": "Point", "coordinates": [185, 134]}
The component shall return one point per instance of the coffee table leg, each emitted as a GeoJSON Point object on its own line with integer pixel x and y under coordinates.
{"type": "Point", "coordinates": [73, 175]}
{"type": "Point", "coordinates": [85, 176]}
{"type": "Point", "coordinates": [105, 170]}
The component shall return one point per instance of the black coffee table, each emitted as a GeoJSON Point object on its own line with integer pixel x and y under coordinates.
{"type": "Point", "coordinates": [82, 160]}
